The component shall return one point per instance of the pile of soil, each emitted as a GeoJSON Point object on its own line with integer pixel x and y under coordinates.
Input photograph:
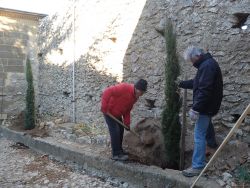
{"type": "Point", "coordinates": [18, 124]}
{"type": "Point", "coordinates": [148, 148]}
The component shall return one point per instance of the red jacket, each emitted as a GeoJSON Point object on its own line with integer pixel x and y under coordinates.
{"type": "Point", "coordinates": [119, 100]}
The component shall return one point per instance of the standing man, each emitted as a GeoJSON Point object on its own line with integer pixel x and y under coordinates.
{"type": "Point", "coordinates": [207, 88]}
{"type": "Point", "coordinates": [118, 100]}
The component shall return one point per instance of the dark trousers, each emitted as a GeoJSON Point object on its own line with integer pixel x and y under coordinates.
{"type": "Point", "coordinates": [210, 136]}
{"type": "Point", "coordinates": [116, 134]}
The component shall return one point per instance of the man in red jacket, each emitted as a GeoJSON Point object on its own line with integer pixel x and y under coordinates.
{"type": "Point", "coordinates": [118, 100]}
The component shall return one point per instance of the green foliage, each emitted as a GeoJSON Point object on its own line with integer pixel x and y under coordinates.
{"type": "Point", "coordinates": [171, 127]}
{"type": "Point", "coordinates": [89, 129]}
{"type": "Point", "coordinates": [30, 98]}
{"type": "Point", "coordinates": [244, 174]}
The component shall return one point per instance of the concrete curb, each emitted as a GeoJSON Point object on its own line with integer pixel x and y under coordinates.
{"type": "Point", "coordinates": [136, 174]}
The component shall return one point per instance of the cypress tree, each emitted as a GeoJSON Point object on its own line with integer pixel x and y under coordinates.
{"type": "Point", "coordinates": [30, 98]}
{"type": "Point", "coordinates": [171, 126]}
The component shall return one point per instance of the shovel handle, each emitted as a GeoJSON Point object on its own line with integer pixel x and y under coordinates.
{"type": "Point", "coordinates": [122, 124]}
{"type": "Point", "coordinates": [235, 127]}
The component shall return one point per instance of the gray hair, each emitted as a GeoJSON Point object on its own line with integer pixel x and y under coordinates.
{"type": "Point", "coordinates": [191, 52]}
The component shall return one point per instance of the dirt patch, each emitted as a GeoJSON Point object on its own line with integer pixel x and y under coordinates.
{"type": "Point", "coordinates": [42, 164]}
{"type": "Point", "coordinates": [232, 155]}
{"type": "Point", "coordinates": [17, 124]}
{"type": "Point", "coordinates": [148, 148]}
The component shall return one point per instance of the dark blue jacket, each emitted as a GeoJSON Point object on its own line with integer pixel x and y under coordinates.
{"type": "Point", "coordinates": [207, 86]}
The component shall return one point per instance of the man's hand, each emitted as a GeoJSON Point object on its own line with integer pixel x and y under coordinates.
{"type": "Point", "coordinates": [127, 128]}
{"type": "Point", "coordinates": [193, 115]}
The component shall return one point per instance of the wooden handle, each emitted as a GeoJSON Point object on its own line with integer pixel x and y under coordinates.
{"type": "Point", "coordinates": [122, 124]}
{"type": "Point", "coordinates": [237, 124]}
{"type": "Point", "coordinates": [117, 120]}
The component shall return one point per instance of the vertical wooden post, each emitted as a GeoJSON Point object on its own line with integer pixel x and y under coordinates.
{"type": "Point", "coordinates": [183, 130]}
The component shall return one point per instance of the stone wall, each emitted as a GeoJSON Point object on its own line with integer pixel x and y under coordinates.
{"type": "Point", "coordinates": [112, 41]}
{"type": "Point", "coordinates": [18, 39]}
{"type": "Point", "coordinates": [93, 39]}
{"type": "Point", "coordinates": [212, 25]}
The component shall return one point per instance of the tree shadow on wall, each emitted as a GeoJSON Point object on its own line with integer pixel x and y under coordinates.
{"type": "Point", "coordinates": [51, 35]}
{"type": "Point", "coordinates": [56, 90]}
{"type": "Point", "coordinates": [56, 81]}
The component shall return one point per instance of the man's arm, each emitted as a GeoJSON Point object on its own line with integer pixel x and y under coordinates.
{"type": "Point", "coordinates": [126, 119]}
{"type": "Point", "coordinates": [105, 99]}
{"type": "Point", "coordinates": [205, 88]}
{"type": "Point", "coordinates": [114, 91]}
{"type": "Point", "coordinates": [188, 84]}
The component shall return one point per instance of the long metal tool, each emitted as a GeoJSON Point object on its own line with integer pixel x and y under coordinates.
{"type": "Point", "coordinates": [122, 124]}
{"type": "Point", "coordinates": [236, 126]}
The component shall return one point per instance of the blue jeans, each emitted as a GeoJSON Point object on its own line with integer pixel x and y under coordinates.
{"type": "Point", "coordinates": [116, 135]}
{"type": "Point", "coordinates": [203, 131]}
{"type": "Point", "coordinates": [210, 136]}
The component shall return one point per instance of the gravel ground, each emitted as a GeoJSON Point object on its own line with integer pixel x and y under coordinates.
{"type": "Point", "coordinates": [21, 167]}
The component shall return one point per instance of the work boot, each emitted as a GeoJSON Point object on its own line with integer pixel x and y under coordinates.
{"type": "Point", "coordinates": [124, 152]}
{"type": "Point", "coordinates": [190, 172]}
{"type": "Point", "coordinates": [120, 157]}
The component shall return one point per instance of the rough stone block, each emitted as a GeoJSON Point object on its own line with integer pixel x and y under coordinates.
{"type": "Point", "coordinates": [5, 104]}
{"type": "Point", "coordinates": [15, 61]}
{"type": "Point", "coordinates": [14, 88]}
{"type": "Point", "coordinates": [3, 75]}
{"type": "Point", "coordinates": [12, 55]}
{"type": "Point", "coordinates": [2, 93]}
{"type": "Point", "coordinates": [8, 41]}
{"type": "Point", "coordinates": [13, 49]}
{"type": "Point", "coordinates": [3, 116]}
{"type": "Point", "coordinates": [14, 69]}
{"type": "Point", "coordinates": [1, 84]}
{"type": "Point", "coordinates": [16, 35]}
{"type": "Point", "coordinates": [3, 61]}
{"type": "Point", "coordinates": [13, 41]}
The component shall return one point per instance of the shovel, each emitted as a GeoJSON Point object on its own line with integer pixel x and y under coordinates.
{"type": "Point", "coordinates": [235, 127]}
{"type": "Point", "coordinates": [122, 124]}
